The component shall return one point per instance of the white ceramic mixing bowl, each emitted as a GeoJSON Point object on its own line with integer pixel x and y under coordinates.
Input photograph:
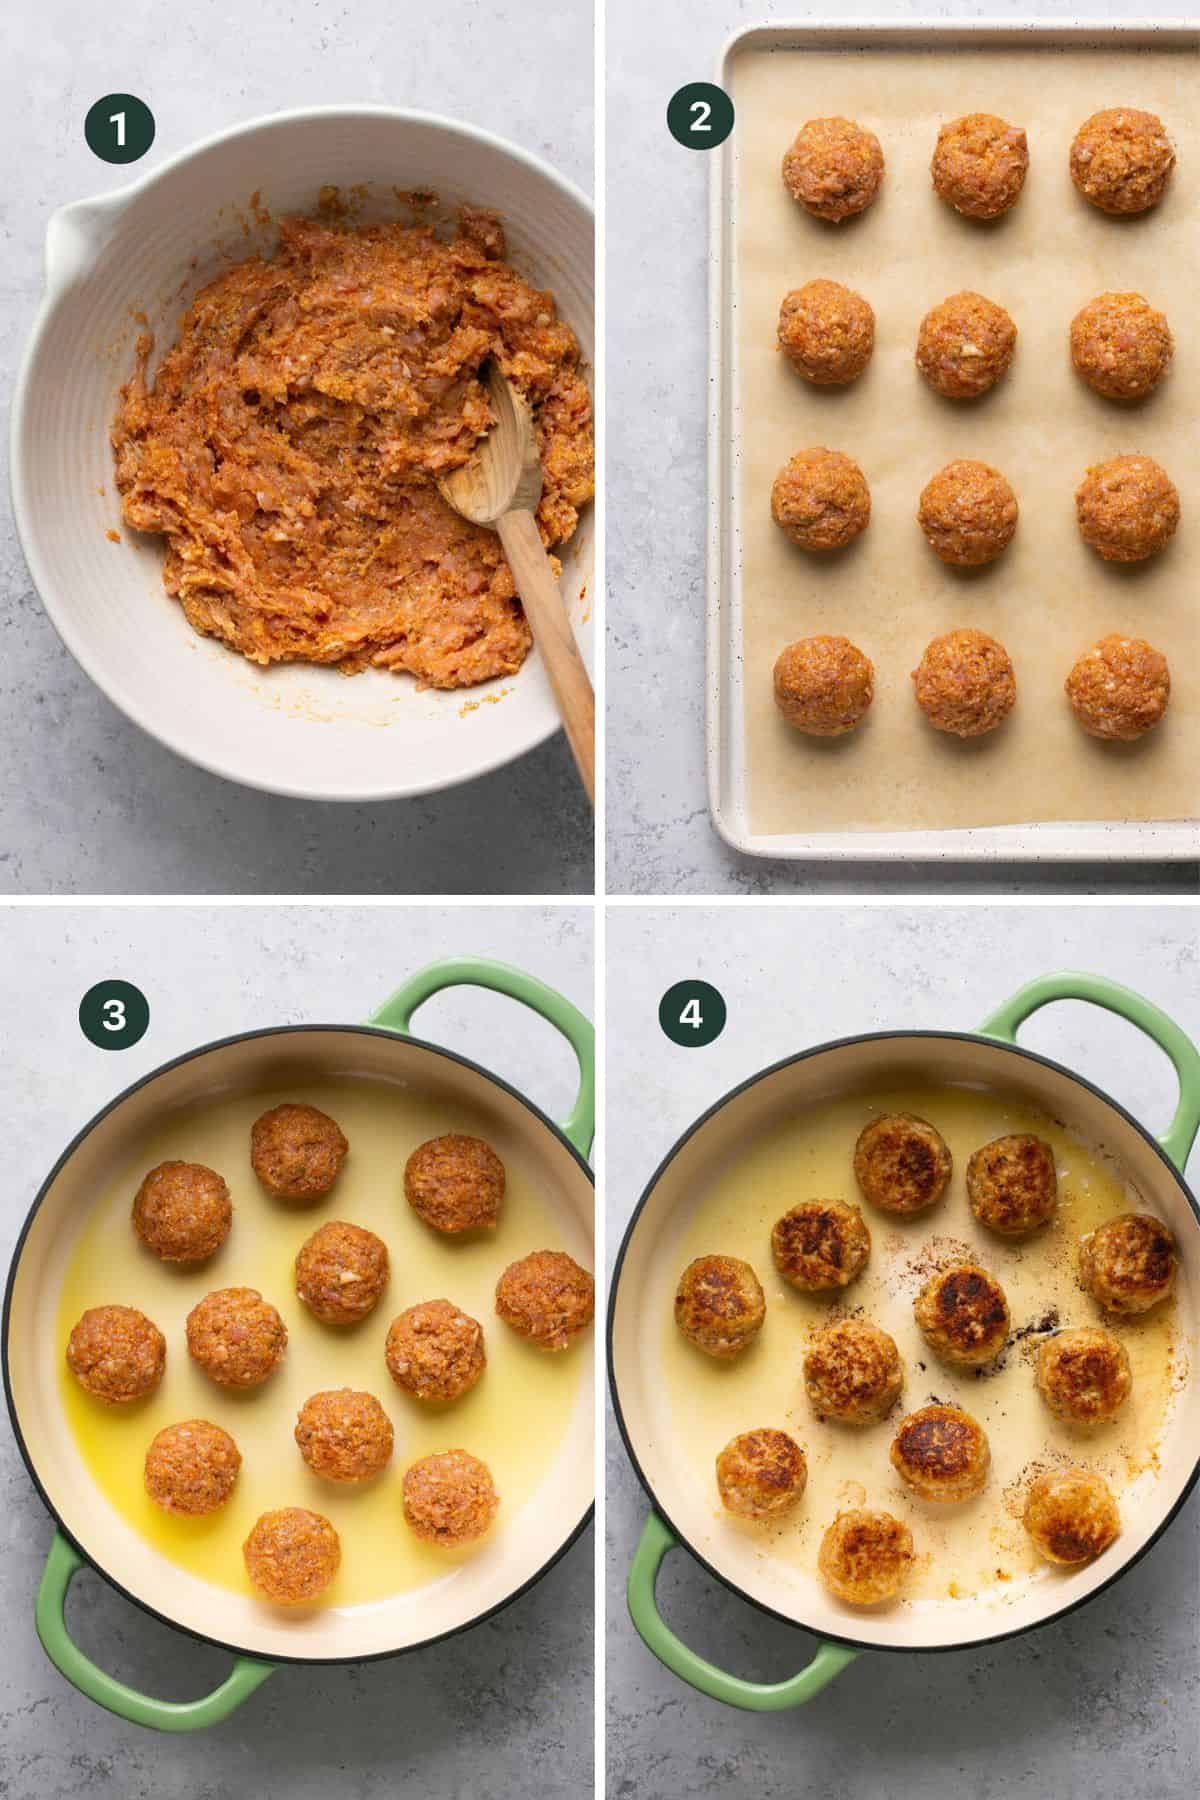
{"type": "Point", "coordinates": [297, 730]}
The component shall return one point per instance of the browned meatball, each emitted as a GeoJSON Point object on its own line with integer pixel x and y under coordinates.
{"type": "Point", "coordinates": [116, 1353]}
{"type": "Point", "coordinates": [1129, 1264]}
{"type": "Point", "coordinates": [1121, 160]}
{"type": "Point", "coordinates": [1127, 508]}
{"type": "Point", "coordinates": [853, 1372]}
{"type": "Point", "coordinates": [965, 683]}
{"type": "Point", "coordinates": [865, 1557]}
{"type": "Point", "coordinates": [449, 1499]}
{"type": "Point", "coordinates": [191, 1468]}
{"type": "Point", "coordinates": [1071, 1515]}
{"type": "Point", "coordinates": [236, 1336]}
{"type": "Point", "coordinates": [1120, 688]}
{"type": "Point", "coordinates": [821, 499]}
{"type": "Point", "coordinates": [455, 1183]}
{"type": "Point", "coordinates": [344, 1435]}
{"type": "Point", "coordinates": [827, 332]}
{"type": "Point", "coordinates": [833, 168]}
{"type": "Point", "coordinates": [297, 1152]}
{"type": "Point", "coordinates": [1121, 346]}
{"type": "Point", "coordinates": [968, 513]}
{"type": "Point", "coordinates": [962, 1314]}
{"type": "Point", "coordinates": [901, 1163]}
{"type": "Point", "coordinates": [965, 345]}
{"type": "Point", "coordinates": [435, 1351]}
{"type": "Point", "coordinates": [1083, 1375]}
{"type": "Point", "coordinates": [292, 1555]}
{"type": "Point", "coordinates": [761, 1474]}
{"type": "Point", "coordinates": [183, 1212]}
{"type": "Point", "coordinates": [1012, 1184]}
{"type": "Point", "coordinates": [941, 1453]}
{"type": "Point", "coordinates": [820, 1244]}
{"type": "Point", "coordinates": [719, 1305]}
{"type": "Point", "coordinates": [546, 1298]}
{"type": "Point", "coordinates": [341, 1271]}
{"type": "Point", "coordinates": [979, 165]}
{"type": "Point", "coordinates": [823, 686]}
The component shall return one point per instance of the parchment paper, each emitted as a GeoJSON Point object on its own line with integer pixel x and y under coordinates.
{"type": "Point", "coordinates": [1048, 597]}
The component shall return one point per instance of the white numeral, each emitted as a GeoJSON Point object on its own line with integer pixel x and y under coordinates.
{"type": "Point", "coordinates": [118, 119]}
{"type": "Point", "coordinates": [701, 112]}
{"type": "Point", "coordinates": [691, 1015]}
{"type": "Point", "coordinates": [114, 1015]}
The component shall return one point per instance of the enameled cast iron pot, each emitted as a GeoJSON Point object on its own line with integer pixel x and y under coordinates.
{"type": "Point", "coordinates": [90, 1531]}
{"type": "Point", "coordinates": [989, 1058]}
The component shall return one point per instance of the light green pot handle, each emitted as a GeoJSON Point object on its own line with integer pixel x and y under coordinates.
{"type": "Point", "coordinates": [479, 971]}
{"type": "Point", "coordinates": [63, 1562]}
{"type": "Point", "coordinates": [1177, 1141]}
{"type": "Point", "coordinates": [705, 1677]}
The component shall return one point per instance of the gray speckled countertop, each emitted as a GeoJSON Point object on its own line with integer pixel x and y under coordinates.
{"type": "Point", "coordinates": [660, 837]}
{"type": "Point", "coordinates": [1104, 1704]}
{"type": "Point", "coordinates": [500, 1710]}
{"type": "Point", "coordinates": [88, 803]}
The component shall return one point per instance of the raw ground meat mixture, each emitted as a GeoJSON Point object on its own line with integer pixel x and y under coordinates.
{"type": "Point", "coordinates": [289, 446]}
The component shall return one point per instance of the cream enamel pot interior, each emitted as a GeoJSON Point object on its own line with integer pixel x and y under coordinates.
{"type": "Point", "coordinates": [684, 1511]}
{"type": "Point", "coordinates": [89, 1528]}
{"type": "Point", "coordinates": [291, 729]}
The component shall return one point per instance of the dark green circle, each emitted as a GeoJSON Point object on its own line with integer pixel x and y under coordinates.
{"type": "Point", "coordinates": [700, 116]}
{"type": "Point", "coordinates": [692, 1013]}
{"type": "Point", "coordinates": [119, 128]}
{"type": "Point", "coordinates": [114, 1015]}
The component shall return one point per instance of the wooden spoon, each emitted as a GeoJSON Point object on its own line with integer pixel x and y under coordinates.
{"type": "Point", "coordinates": [501, 487]}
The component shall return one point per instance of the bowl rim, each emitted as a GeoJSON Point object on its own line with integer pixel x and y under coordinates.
{"type": "Point", "coordinates": [214, 761]}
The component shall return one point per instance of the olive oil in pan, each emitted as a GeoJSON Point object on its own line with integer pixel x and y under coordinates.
{"type": "Point", "coordinates": [515, 1418]}
{"type": "Point", "coordinates": [964, 1551]}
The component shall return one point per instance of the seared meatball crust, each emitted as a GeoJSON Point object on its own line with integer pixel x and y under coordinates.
{"type": "Point", "coordinates": [979, 165]}
{"type": "Point", "coordinates": [341, 1271]}
{"type": "Point", "coordinates": [820, 1245]}
{"type": "Point", "coordinates": [853, 1372]}
{"type": "Point", "coordinates": [1127, 508]}
{"type": "Point", "coordinates": [941, 1453]}
{"type": "Point", "coordinates": [965, 345]}
{"type": "Point", "coordinates": [965, 683]}
{"type": "Point", "coordinates": [1083, 1375]}
{"type": "Point", "coordinates": [902, 1163]}
{"type": "Point", "coordinates": [1121, 346]}
{"type": "Point", "coordinates": [455, 1183]}
{"type": "Point", "coordinates": [833, 168]}
{"type": "Point", "coordinates": [1121, 160]}
{"type": "Point", "coordinates": [719, 1305]}
{"type": "Point", "coordinates": [1120, 688]}
{"type": "Point", "coordinates": [823, 686]}
{"type": "Point", "coordinates": [449, 1499]}
{"type": "Point", "coordinates": [1071, 1516]}
{"type": "Point", "coordinates": [962, 1313]}
{"type": "Point", "coordinates": [116, 1354]}
{"type": "Point", "coordinates": [865, 1557]}
{"type": "Point", "coordinates": [827, 332]}
{"type": "Point", "coordinates": [1129, 1263]}
{"type": "Point", "coordinates": [546, 1298]}
{"type": "Point", "coordinates": [183, 1212]}
{"type": "Point", "coordinates": [761, 1474]}
{"type": "Point", "coordinates": [191, 1468]}
{"type": "Point", "coordinates": [821, 500]}
{"type": "Point", "coordinates": [435, 1351]}
{"type": "Point", "coordinates": [297, 1152]}
{"type": "Point", "coordinates": [1012, 1184]}
{"type": "Point", "coordinates": [292, 1555]}
{"type": "Point", "coordinates": [968, 513]}
{"type": "Point", "coordinates": [236, 1336]}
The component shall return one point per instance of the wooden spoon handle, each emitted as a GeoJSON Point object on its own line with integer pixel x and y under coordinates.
{"type": "Point", "coordinates": [554, 638]}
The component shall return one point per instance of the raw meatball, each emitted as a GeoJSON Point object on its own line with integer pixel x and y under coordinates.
{"type": "Point", "coordinates": [968, 513]}
{"type": "Point", "coordinates": [449, 1499]}
{"type": "Point", "coordinates": [183, 1212]}
{"type": "Point", "coordinates": [292, 1556]}
{"type": "Point", "coordinates": [833, 168]}
{"type": "Point", "coordinates": [1121, 346]}
{"type": "Point", "coordinates": [941, 1453]}
{"type": "Point", "coordinates": [435, 1351]}
{"type": "Point", "coordinates": [853, 1372]}
{"type": "Point", "coordinates": [116, 1353]}
{"type": "Point", "coordinates": [719, 1305]}
{"type": "Point", "coordinates": [820, 1244]}
{"type": "Point", "coordinates": [297, 1152]}
{"type": "Point", "coordinates": [1129, 1264]}
{"type": "Point", "coordinates": [965, 683]}
{"type": "Point", "coordinates": [1012, 1184]}
{"type": "Point", "coordinates": [344, 1435]}
{"type": "Point", "coordinates": [821, 499]}
{"type": "Point", "coordinates": [1119, 688]}
{"type": "Point", "coordinates": [191, 1468]}
{"type": "Point", "coordinates": [865, 1557]}
{"type": "Point", "coordinates": [546, 1298]}
{"type": "Point", "coordinates": [827, 332]}
{"type": "Point", "coordinates": [962, 1314]}
{"type": "Point", "coordinates": [965, 345]}
{"type": "Point", "coordinates": [823, 685]}
{"type": "Point", "coordinates": [341, 1272]}
{"type": "Point", "coordinates": [1083, 1375]}
{"type": "Point", "coordinates": [761, 1474]}
{"type": "Point", "coordinates": [236, 1336]}
{"type": "Point", "coordinates": [1121, 160]}
{"type": "Point", "coordinates": [1071, 1515]}
{"type": "Point", "coordinates": [455, 1183]}
{"type": "Point", "coordinates": [901, 1163]}
{"type": "Point", "coordinates": [979, 165]}
{"type": "Point", "coordinates": [1127, 508]}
